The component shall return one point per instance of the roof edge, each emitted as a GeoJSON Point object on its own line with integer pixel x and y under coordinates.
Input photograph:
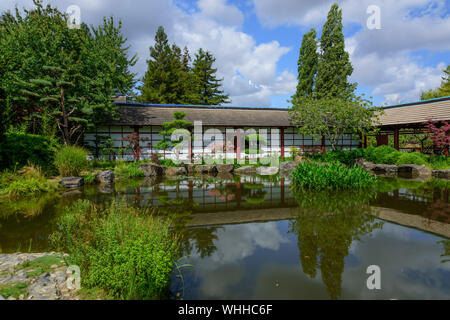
{"type": "Point", "coordinates": [417, 102]}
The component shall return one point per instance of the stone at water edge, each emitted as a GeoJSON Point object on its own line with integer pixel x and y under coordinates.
{"type": "Point", "coordinates": [267, 171]}
{"type": "Point", "coordinates": [72, 182]}
{"type": "Point", "coordinates": [205, 169]}
{"type": "Point", "coordinates": [287, 167]}
{"type": "Point", "coordinates": [245, 170]}
{"type": "Point", "coordinates": [441, 174]}
{"type": "Point", "coordinates": [1, 297]}
{"type": "Point", "coordinates": [151, 169]}
{"type": "Point", "coordinates": [225, 168]}
{"type": "Point", "coordinates": [105, 177]}
{"type": "Point", "coordinates": [413, 171]}
{"type": "Point", "coordinates": [176, 171]}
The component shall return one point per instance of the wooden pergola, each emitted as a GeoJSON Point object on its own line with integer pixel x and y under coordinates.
{"type": "Point", "coordinates": [410, 118]}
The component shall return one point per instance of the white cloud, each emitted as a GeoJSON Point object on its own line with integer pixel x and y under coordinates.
{"type": "Point", "coordinates": [221, 12]}
{"type": "Point", "coordinates": [383, 59]}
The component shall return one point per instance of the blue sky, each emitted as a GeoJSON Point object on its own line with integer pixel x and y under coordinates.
{"type": "Point", "coordinates": [256, 42]}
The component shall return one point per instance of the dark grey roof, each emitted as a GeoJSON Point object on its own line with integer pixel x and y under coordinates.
{"type": "Point", "coordinates": [144, 114]}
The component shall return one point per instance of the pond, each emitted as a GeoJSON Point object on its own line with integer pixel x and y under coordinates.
{"type": "Point", "coordinates": [251, 237]}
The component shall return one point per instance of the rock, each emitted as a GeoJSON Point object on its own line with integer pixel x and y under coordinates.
{"type": "Point", "coordinates": [54, 266]}
{"type": "Point", "coordinates": [413, 171]}
{"type": "Point", "coordinates": [387, 170]}
{"type": "Point", "coordinates": [267, 171]}
{"type": "Point", "coordinates": [286, 168]}
{"type": "Point", "coordinates": [1, 297]}
{"type": "Point", "coordinates": [151, 169]}
{"type": "Point", "coordinates": [206, 169]}
{"type": "Point", "coordinates": [245, 170]}
{"type": "Point", "coordinates": [441, 174]}
{"type": "Point", "coordinates": [190, 168]}
{"type": "Point", "coordinates": [176, 171]}
{"type": "Point", "coordinates": [72, 182]}
{"type": "Point", "coordinates": [225, 168]}
{"type": "Point", "coordinates": [365, 165]}
{"type": "Point", "coordinates": [105, 177]}
{"type": "Point", "coordinates": [11, 298]}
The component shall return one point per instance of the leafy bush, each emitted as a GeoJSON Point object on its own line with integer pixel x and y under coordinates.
{"type": "Point", "coordinates": [128, 170]}
{"type": "Point", "coordinates": [19, 149]}
{"type": "Point", "coordinates": [411, 158]}
{"type": "Point", "coordinates": [331, 176]}
{"type": "Point", "coordinates": [440, 162]}
{"type": "Point", "coordinates": [71, 161]}
{"type": "Point", "coordinates": [383, 154]}
{"type": "Point", "coordinates": [29, 181]}
{"type": "Point", "coordinates": [123, 250]}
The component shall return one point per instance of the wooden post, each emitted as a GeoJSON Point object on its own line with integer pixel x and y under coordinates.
{"type": "Point", "coordinates": [138, 147]}
{"type": "Point", "coordinates": [323, 143]}
{"type": "Point", "coordinates": [397, 139]}
{"type": "Point", "coordinates": [282, 142]}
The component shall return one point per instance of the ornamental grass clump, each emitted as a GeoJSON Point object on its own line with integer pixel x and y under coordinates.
{"type": "Point", "coordinates": [71, 161]}
{"type": "Point", "coordinates": [331, 176]}
{"type": "Point", "coordinates": [127, 252]}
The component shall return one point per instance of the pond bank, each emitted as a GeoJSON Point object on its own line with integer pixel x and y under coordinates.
{"type": "Point", "coordinates": [34, 276]}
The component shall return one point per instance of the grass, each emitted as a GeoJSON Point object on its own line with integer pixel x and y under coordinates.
{"type": "Point", "coordinates": [128, 170]}
{"type": "Point", "coordinates": [331, 176]}
{"type": "Point", "coordinates": [13, 290]}
{"type": "Point", "coordinates": [71, 161]}
{"type": "Point", "coordinates": [89, 178]}
{"type": "Point", "coordinates": [127, 252]}
{"type": "Point", "coordinates": [40, 265]}
{"type": "Point", "coordinates": [27, 182]}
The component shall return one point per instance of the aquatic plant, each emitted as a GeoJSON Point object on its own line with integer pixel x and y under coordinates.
{"type": "Point", "coordinates": [127, 252]}
{"type": "Point", "coordinates": [331, 176]}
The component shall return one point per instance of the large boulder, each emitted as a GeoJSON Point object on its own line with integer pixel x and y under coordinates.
{"type": "Point", "coordinates": [365, 165]}
{"type": "Point", "coordinates": [441, 174]}
{"type": "Point", "coordinates": [387, 170]}
{"type": "Point", "coordinates": [267, 171]}
{"type": "Point", "coordinates": [72, 182]}
{"type": "Point", "coordinates": [286, 168]}
{"type": "Point", "coordinates": [206, 169]}
{"type": "Point", "coordinates": [105, 177]}
{"type": "Point", "coordinates": [413, 171]}
{"type": "Point", "coordinates": [151, 169]}
{"type": "Point", "coordinates": [245, 170]}
{"type": "Point", "coordinates": [176, 171]}
{"type": "Point", "coordinates": [225, 168]}
{"type": "Point", "coordinates": [190, 168]}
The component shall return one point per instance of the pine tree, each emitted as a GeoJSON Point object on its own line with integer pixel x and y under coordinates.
{"type": "Point", "coordinates": [334, 63]}
{"type": "Point", "coordinates": [307, 65]}
{"type": "Point", "coordinates": [442, 91]}
{"type": "Point", "coordinates": [166, 80]}
{"type": "Point", "coordinates": [207, 88]}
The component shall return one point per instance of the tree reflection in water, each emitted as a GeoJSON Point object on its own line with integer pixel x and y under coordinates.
{"type": "Point", "coordinates": [179, 210]}
{"type": "Point", "coordinates": [326, 223]}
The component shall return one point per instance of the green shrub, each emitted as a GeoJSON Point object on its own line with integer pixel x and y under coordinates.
{"type": "Point", "coordinates": [331, 176]}
{"type": "Point", "coordinates": [29, 181]}
{"type": "Point", "coordinates": [71, 161]}
{"type": "Point", "coordinates": [411, 158]}
{"type": "Point", "coordinates": [89, 178]}
{"type": "Point", "coordinates": [123, 250]}
{"type": "Point", "coordinates": [439, 162]}
{"type": "Point", "coordinates": [128, 170]}
{"type": "Point", "coordinates": [19, 149]}
{"type": "Point", "coordinates": [382, 154]}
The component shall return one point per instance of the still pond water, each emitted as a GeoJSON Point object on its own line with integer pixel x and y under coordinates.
{"type": "Point", "coordinates": [255, 238]}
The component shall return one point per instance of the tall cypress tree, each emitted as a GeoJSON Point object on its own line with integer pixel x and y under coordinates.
{"type": "Point", "coordinates": [307, 65]}
{"type": "Point", "coordinates": [162, 82]}
{"type": "Point", "coordinates": [207, 88]}
{"type": "Point", "coordinates": [334, 63]}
